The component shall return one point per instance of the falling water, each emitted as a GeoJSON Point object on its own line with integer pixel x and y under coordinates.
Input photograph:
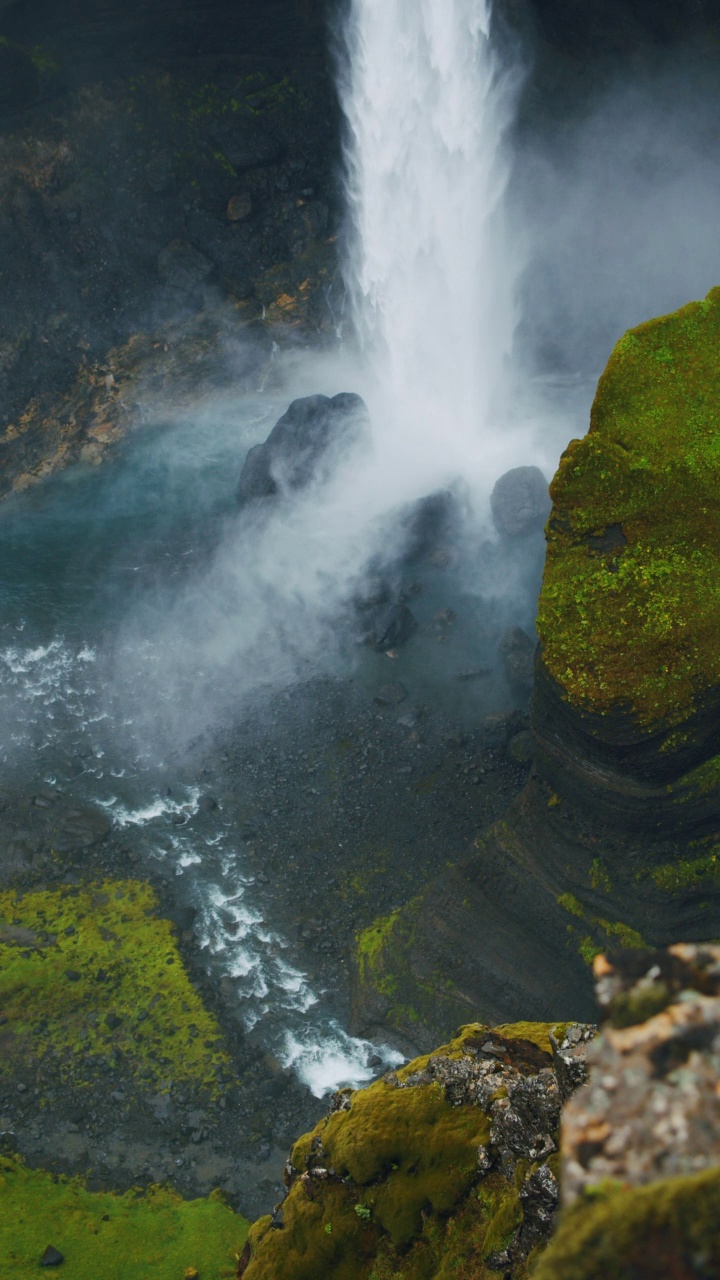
{"type": "Point", "coordinates": [428, 271]}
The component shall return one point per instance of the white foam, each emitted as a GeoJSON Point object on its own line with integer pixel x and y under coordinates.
{"type": "Point", "coordinates": [334, 1060]}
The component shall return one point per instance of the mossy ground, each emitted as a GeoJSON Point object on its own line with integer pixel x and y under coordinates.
{"type": "Point", "coordinates": [667, 1230]}
{"type": "Point", "coordinates": [129, 1237]}
{"type": "Point", "coordinates": [91, 977]}
{"type": "Point", "coordinates": [630, 621]}
{"type": "Point", "coordinates": [406, 1200]}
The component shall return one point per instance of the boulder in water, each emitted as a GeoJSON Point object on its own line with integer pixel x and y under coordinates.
{"type": "Point", "coordinates": [520, 502]}
{"type": "Point", "coordinates": [305, 445]}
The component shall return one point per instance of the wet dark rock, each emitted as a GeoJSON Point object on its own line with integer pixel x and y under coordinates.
{"type": "Point", "coordinates": [518, 654]}
{"type": "Point", "coordinates": [429, 525]}
{"type": "Point", "coordinates": [207, 804]}
{"type": "Point", "coordinates": [72, 975]}
{"type": "Point", "coordinates": [304, 446]}
{"type": "Point", "coordinates": [245, 144]}
{"type": "Point", "coordinates": [79, 828]}
{"type": "Point", "coordinates": [520, 502]}
{"type": "Point", "coordinates": [183, 267]}
{"type": "Point", "coordinates": [52, 1257]}
{"type": "Point", "coordinates": [392, 627]}
{"type": "Point", "coordinates": [520, 747]}
{"type": "Point", "coordinates": [391, 695]}
{"type": "Point", "coordinates": [239, 207]}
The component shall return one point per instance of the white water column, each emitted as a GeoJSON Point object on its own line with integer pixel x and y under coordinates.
{"type": "Point", "coordinates": [428, 271]}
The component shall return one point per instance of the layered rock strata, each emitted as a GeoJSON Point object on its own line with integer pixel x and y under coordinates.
{"type": "Point", "coordinates": [616, 837]}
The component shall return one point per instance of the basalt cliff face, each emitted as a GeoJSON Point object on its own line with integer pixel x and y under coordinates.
{"type": "Point", "coordinates": [615, 839]}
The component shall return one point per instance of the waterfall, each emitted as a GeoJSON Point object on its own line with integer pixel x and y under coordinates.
{"type": "Point", "coordinates": [427, 267]}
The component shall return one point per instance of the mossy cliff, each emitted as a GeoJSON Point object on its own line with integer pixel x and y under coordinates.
{"type": "Point", "coordinates": [443, 1168]}
{"type": "Point", "coordinates": [616, 838]}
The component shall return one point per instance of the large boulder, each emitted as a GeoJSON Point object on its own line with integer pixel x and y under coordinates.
{"type": "Point", "coordinates": [520, 502]}
{"type": "Point", "coordinates": [614, 840]}
{"type": "Point", "coordinates": [304, 446]}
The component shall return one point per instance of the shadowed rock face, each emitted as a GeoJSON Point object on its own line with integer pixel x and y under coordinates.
{"type": "Point", "coordinates": [616, 837]}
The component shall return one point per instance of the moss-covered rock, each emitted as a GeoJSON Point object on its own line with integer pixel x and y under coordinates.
{"type": "Point", "coordinates": [630, 605]}
{"type": "Point", "coordinates": [443, 1168]}
{"type": "Point", "coordinates": [667, 1229]}
{"type": "Point", "coordinates": [118, 1237]}
{"type": "Point", "coordinates": [91, 976]}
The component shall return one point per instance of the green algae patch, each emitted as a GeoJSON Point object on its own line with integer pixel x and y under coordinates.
{"type": "Point", "coordinates": [668, 1228]}
{"type": "Point", "coordinates": [116, 1237]}
{"type": "Point", "coordinates": [92, 976]}
{"type": "Point", "coordinates": [630, 605]}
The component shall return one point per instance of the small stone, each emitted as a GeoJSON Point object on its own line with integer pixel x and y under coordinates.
{"type": "Point", "coordinates": [239, 207]}
{"type": "Point", "coordinates": [52, 1257]}
{"type": "Point", "coordinates": [72, 975]}
{"type": "Point", "coordinates": [391, 695]}
{"type": "Point", "coordinates": [112, 1021]}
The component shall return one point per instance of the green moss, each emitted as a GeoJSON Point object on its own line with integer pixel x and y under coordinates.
{"type": "Point", "coordinates": [689, 873]}
{"type": "Point", "coordinates": [570, 903]}
{"type": "Point", "coordinates": [383, 959]}
{"type": "Point", "coordinates": [612, 929]}
{"type": "Point", "coordinates": [128, 1237]}
{"type": "Point", "coordinates": [600, 876]}
{"type": "Point", "coordinates": [370, 943]}
{"type": "Point", "coordinates": [668, 1228]}
{"type": "Point", "coordinates": [634, 625]}
{"type": "Point", "coordinates": [589, 950]}
{"type": "Point", "coordinates": [97, 967]}
{"type": "Point", "coordinates": [406, 1201]}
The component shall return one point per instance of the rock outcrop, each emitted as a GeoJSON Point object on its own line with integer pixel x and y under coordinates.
{"type": "Point", "coordinates": [640, 1171]}
{"type": "Point", "coordinates": [304, 447]}
{"type": "Point", "coordinates": [614, 840]}
{"type": "Point", "coordinates": [445, 1165]}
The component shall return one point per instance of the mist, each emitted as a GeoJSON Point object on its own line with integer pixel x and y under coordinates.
{"type": "Point", "coordinates": [476, 336]}
{"type": "Point", "coordinates": [617, 205]}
